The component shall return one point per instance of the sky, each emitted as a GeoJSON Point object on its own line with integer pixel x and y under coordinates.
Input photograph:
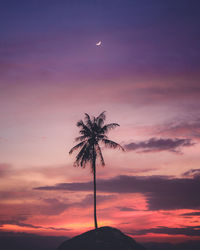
{"type": "Point", "coordinates": [145, 75]}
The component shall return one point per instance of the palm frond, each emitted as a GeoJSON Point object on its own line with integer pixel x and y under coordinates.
{"type": "Point", "coordinates": [102, 115]}
{"type": "Point", "coordinates": [77, 147]}
{"type": "Point", "coordinates": [98, 149]}
{"type": "Point", "coordinates": [86, 133]}
{"type": "Point", "coordinates": [80, 123]}
{"type": "Point", "coordinates": [81, 138]}
{"type": "Point", "coordinates": [85, 129]}
{"type": "Point", "coordinates": [101, 136]}
{"type": "Point", "coordinates": [87, 157]}
{"type": "Point", "coordinates": [92, 130]}
{"type": "Point", "coordinates": [112, 144]}
{"type": "Point", "coordinates": [88, 121]}
{"type": "Point", "coordinates": [108, 127]}
{"type": "Point", "coordinates": [81, 154]}
{"type": "Point", "coordinates": [100, 119]}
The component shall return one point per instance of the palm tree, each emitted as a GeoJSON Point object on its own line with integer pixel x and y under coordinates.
{"type": "Point", "coordinates": [93, 132]}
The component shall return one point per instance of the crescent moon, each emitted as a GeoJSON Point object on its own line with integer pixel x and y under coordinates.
{"type": "Point", "coordinates": [99, 43]}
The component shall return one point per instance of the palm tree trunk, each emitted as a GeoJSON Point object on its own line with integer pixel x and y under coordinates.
{"type": "Point", "coordinates": [95, 198]}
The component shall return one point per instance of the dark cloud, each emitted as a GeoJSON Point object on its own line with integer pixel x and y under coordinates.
{"type": "Point", "coordinates": [195, 173]}
{"type": "Point", "coordinates": [24, 241]}
{"type": "Point", "coordinates": [15, 194]}
{"type": "Point", "coordinates": [75, 186]}
{"type": "Point", "coordinates": [161, 192]}
{"type": "Point", "coordinates": [158, 145]}
{"type": "Point", "coordinates": [13, 220]}
{"type": "Point", "coordinates": [88, 200]}
{"type": "Point", "coordinates": [20, 221]}
{"type": "Point", "coordinates": [126, 209]}
{"type": "Point", "coordinates": [189, 128]}
{"type": "Point", "coordinates": [21, 224]}
{"type": "Point", "coordinates": [48, 207]}
{"type": "Point", "coordinates": [192, 214]}
{"type": "Point", "coordinates": [191, 245]}
{"type": "Point", "coordinates": [189, 231]}
{"type": "Point", "coordinates": [144, 170]}
{"type": "Point", "coordinates": [53, 206]}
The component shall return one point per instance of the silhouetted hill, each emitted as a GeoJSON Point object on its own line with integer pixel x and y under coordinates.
{"type": "Point", "coordinates": [24, 241]}
{"type": "Point", "coordinates": [104, 238]}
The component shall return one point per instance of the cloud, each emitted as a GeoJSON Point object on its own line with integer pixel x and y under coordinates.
{"type": "Point", "coordinates": [189, 231]}
{"type": "Point", "coordinates": [191, 214]}
{"type": "Point", "coordinates": [18, 214]}
{"type": "Point", "coordinates": [195, 173]}
{"type": "Point", "coordinates": [189, 128]}
{"type": "Point", "coordinates": [158, 145]}
{"type": "Point", "coordinates": [189, 244]}
{"type": "Point", "coordinates": [53, 207]}
{"type": "Point", "coordinates": [19, 220]}
{"type": "Point", "coordinates": [21, 224]}
{"type": "Point", "coordinates": [88, 200]}
{"type": "Point", "coordinates": [4, 169]}
{"type": "Point", "coordinates": [14, 220]}
{"type": "Point", "coordinates": [161, 192]}
{"type": "Point", "coordinates": [126, 209]}
{"type": "Point", "coordinates": [170, 92]}
{"type": "Point", "coordinates": [23, 241]}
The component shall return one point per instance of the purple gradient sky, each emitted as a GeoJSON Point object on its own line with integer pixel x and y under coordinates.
{"type": "Point", "coordinates": [145, 75]}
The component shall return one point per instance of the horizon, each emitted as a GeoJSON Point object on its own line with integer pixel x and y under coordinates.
{"type": "Point", "coordinates": [136, 60]}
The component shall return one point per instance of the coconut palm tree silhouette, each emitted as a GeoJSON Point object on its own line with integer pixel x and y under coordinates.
{"type": "Point", "coordinates": [93, 133]}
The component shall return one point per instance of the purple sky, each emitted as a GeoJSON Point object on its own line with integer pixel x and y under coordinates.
{"type": "Point", "coordinates": [145, 75]}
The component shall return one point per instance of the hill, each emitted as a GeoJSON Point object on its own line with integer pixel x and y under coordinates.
{"type": "Point", "coordinates": [106, 238]}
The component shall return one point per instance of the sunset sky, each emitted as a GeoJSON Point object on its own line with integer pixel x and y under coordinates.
{"type": "Point", "coordinates": [145, 75]}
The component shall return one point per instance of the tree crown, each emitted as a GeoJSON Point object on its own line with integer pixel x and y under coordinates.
{"type": "Point", "coordinates": [93, 132]}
